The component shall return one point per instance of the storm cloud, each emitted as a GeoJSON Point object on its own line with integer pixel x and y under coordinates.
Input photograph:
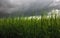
{"type": "Point", "coordinates": [9, 6]}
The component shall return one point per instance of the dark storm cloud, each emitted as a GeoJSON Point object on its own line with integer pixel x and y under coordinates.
{"type": "Point", "coordinates": [14, 5]}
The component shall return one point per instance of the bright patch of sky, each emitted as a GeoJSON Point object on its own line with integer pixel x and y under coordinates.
{"type": "Point", "coordinates": [55, 2]}
{"type": "Point", "coordinates": [54, 12]}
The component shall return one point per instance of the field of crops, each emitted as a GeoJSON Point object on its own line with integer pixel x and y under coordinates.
{"type": "Point", "coordinates": [30, 28]}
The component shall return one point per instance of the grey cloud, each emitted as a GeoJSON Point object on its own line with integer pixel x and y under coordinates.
{"type": "Point", "coordinates": [14, 5]}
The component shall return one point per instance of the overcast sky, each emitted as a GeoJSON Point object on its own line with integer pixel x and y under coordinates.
{"type": "Point", "coordinates": [13, 5]}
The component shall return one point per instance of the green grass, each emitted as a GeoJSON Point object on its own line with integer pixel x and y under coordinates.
{"type": "Point", "coordinates": [30, 28]}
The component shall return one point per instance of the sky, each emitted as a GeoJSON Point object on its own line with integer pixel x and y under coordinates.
{"type": "Point", "coordinates": [9, 6]}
